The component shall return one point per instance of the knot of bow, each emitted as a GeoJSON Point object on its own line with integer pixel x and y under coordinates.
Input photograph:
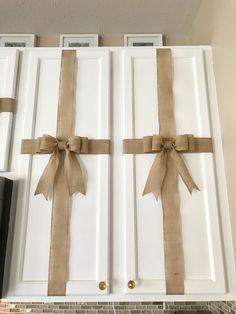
{"type": "Point", "coordinates": [63, 158]}
{"type": "Point", "coordinates": [168, 148]}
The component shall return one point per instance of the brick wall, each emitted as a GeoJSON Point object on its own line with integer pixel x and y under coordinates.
{"type": "Point", "coordinates": [120, 307]}
{"type": "Point", "coordinates": [222, 307]}
{"type": "Point", "coordinates": [107, 307]}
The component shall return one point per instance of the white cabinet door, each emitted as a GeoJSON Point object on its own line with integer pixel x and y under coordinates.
{"type": "Point", "coordinates": [89, 221]}
{"type": "Point", "coordinates": [8, 73]}
{"type": "Point", "coordinates": [144, 248]}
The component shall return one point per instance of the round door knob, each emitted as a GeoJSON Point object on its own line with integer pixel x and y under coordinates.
{"type": "Point", "coordinates": [131, 284]}
{"type": "Point", "coordinates": [102, 285]}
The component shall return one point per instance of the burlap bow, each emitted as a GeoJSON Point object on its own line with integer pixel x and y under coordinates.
{"type": "Point", "coordinates": [62, 152]}
{"type": "Point", "coordinates": [168, 148]}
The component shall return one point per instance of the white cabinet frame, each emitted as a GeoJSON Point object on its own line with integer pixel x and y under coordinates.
{"type": "Point", "coordinates": [120, 263]}
{"type": "Point", "coordinates": [8, 74]}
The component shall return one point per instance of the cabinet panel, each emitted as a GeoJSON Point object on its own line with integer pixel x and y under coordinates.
{"type": "Point", "coordinates": [8, 73]}
{"type": "Point", "coordinates": [89, 214]}
{"type": "Point", "coordinates": [199, 211]}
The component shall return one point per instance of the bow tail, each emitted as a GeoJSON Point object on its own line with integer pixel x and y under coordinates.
{"type": "Point", "coordinates": [46, 180]}
{"type": "Point", "coordinates": [74, 174]}
{"type": "Point", "coordinates": [183, 171]}
{"type": "Point", "coordinates": [156, 175]}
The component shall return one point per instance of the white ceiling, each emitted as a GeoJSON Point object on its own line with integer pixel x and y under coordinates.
{"type": "Point", "coordinates": [106, 17]}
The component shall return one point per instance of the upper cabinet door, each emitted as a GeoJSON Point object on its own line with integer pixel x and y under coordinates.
{"type": "Point", "coordinates": [144, 250]}
{"type": "Point", "coordinates": [89, 214]}
{"type": "Point", "coordinates": [8, 73]}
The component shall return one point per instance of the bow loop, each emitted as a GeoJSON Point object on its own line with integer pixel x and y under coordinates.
{"type": "Point", "coordinates": [152, 143]}
{"type": "Point", "coordinates": [48, 143]}
{"type": "Point", "coordinates": [78, 144]}
{"type": "Point", "coordinates": [180, 143]}
{"type": "Point", "coordinates": [74, 144]}
{"type": "Point", "coordinates": [185, 143]}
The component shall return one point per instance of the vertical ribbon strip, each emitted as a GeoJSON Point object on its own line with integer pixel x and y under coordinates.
{"type": "Point", "coordinates": [173, 252]}
{"type": "Point", "coordinates": [163, 176]}
{"type": "Point", "coordinates": [62, 175]}
{"type": "Point", "coordinates": [59, 247]}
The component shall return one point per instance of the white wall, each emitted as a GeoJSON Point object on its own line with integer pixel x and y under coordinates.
{"type": "Point", "coordinates": [215, 24]}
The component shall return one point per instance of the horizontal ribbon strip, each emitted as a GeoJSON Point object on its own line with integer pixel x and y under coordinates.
{"type": "Point", "coordinates": [7, 104]}
{"type": "Point", "coordinates": [135, 146]}
{"type": "Point", "coordinates": [100, 146]}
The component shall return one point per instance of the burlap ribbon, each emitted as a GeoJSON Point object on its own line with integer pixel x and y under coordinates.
{"type": "Point", "coordinates": [74, 176]}
{"type": "Point", "coordinates": [158, 170]}
{"type": "Point", "coordinates": [7, 104]}
{"type": "Point", "coordinates": [63, 174]}
{"type": "Point", "coordinates": [163, 176]}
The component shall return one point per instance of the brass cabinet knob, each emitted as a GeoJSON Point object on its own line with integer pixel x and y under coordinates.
{"type": "Point", "coordinates": [102, 285]}
{"type": "Point", "coordinates": [131, 284]}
